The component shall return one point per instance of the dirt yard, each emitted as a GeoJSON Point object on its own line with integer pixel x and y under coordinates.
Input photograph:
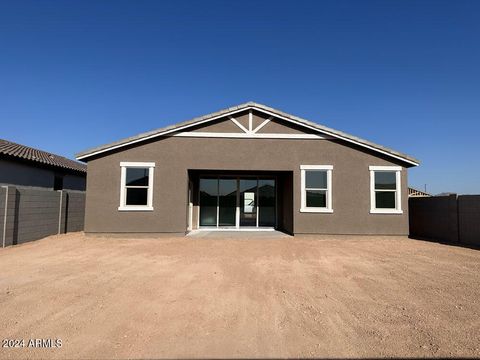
{"type": "Point", "coordinates": [240, 297]}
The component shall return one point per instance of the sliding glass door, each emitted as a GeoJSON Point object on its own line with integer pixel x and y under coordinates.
{"type": "Point", "coordinates": [248, 202]}
{"type": "Point", "coordinates": [227, 202]}
{"type": "Point", "coordinates": [237, 202]}
{"type": "Point", "coordinates": [266, 202]}
{"type": "Point", "coordinates": [208, 201]}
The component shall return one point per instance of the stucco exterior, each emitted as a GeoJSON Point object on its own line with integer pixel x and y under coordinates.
{"type": "Point", "coordinates": [228, 143]}
{"type": "Point", "coordinates": [175, 156]}
{"type": "Point", "coordinates": [23, 173]}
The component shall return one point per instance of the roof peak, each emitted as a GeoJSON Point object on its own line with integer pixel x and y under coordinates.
{"type": "Point", "coordinates": [235, 109]}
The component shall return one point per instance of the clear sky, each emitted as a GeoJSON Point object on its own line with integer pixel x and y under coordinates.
{"type": "Point", "coordinates": [404, 74]}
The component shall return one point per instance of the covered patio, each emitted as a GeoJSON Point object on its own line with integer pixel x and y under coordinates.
{"type": "Point", "coordinates": [240, 201]}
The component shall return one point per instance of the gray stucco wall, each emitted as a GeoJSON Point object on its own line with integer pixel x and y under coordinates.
{"type": "Point", "coordinates": [17, 173]}
{"type": "Point", "coordinates": [35, 176]}
{"type": "Point", "coordinates": [74, 182]}
{"type": "Point", "coordinates": [75, 214]}
{"type": "Point", "coordinates": [173, 157]}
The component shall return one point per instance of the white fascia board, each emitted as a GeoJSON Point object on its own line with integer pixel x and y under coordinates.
{"type": "Point", "coordinates": [163, 133]}
{"type": "Point", "coordinates": [194, 134]}
{"type": "Point", "coordinates": [340, 137]}
{"type": "Point", "coordinates": [241, 110]}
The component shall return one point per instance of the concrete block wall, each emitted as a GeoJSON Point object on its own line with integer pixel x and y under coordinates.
{"type": "Point", "coordinates": [8, 196]}
{"type": "Point", "coordinates": [434, 217]}
{"type": "Point", "coordinates": [447, 218]}
{"type": "Point", "coordinates": [469, 219]}
{"type": "Point", "coordinates": [36, 214]}
{"type": "Point", "coordinates": [75, 216]}
{"type": "Point", "coordinates": [32, 214]}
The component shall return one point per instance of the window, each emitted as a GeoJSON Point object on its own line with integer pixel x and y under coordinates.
{"type": "Point", "coordinates": [385, 194]}
{"type": "Point", "coordinates": [316, 188]}
{"type": "Point", "coordinates": [136, 192]}
{"type": "Point", "coordinates": [58, 182]}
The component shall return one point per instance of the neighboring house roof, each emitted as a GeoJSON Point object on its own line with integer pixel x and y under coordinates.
{"type": "Point", "coordinates": [446, 194]}
{"type": "Point", "coordinates": [247, 106]}
{"type": "Point", "coordinates": [417, 193]}
{"type": "Point", "coordinates": [38, 156]}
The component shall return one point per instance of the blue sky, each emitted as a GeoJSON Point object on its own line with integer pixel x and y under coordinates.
{"type": "Point", "coordinates": [404, 74]}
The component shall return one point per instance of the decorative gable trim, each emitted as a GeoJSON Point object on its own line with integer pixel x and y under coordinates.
{"type": "Point", "coordinates": [265, 122]}
{"type": "Point", "coordinates": [248, 135]}
{"type": "Point", "coordinates": [322, 130]}
{"type": "Point", "coordinates": [238, 124]}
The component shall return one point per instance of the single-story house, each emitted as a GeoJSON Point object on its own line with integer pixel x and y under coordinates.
{"type": "Point", "coordinates": [24, 166]}
{"type": "Point", "coordinates": [248, 167]}
{"type": "Point", "coordinates": [417, 193]}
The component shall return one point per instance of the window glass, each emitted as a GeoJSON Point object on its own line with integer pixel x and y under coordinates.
{"type": "Point", "coordinates": [386, 180]}
{"type": "Point", "coordinates": [248, 202]}
{"type": "Point", "coordinates": [316, 179]}
{"type": "Point", "coordinates": [135, 193]}
{"type": "Point", "coordinates": [385, 199]}
{"type": "Point", "coordinates": [316, 188]}
{"type": "Point", "coordinates": [266, 202]}
{"type": "Point", "coordinates": [58, 182]}
{"type": "Point", "coordinates": [316, 198]}
{"type": "Point", "coordinates": [227, 202]}
{"type": "Point", "coordinates": [137, 177]}
{"type": "Point", "coordinates": [137, 196]}
{"type": "Point", "coordinates": [208, 202]}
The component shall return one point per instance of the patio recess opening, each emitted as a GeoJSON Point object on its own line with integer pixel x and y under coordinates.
{"type": "Point", "coordinates": [237, 203]}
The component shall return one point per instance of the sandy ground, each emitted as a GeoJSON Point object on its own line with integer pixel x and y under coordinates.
{"type": "Point", "coordinates": [240, 297]}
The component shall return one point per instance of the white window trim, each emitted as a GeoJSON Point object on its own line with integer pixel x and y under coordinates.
{"type": "Point", "coordinates": [303, 206]}
{"type": "Point", "coordinates": [124, 165]}
{"type": "Point", "coordinates": [398, 190]}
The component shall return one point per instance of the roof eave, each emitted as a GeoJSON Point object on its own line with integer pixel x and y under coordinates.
{"type": "Point", "coordinates": [85, 155]}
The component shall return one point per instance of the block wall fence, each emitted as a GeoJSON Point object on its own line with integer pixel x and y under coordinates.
{"type": "Point", "coordinates": [449, 218]}
{"type": "Point", "coordinates": [29, 214]}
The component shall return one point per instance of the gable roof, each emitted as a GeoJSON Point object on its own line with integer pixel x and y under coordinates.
{"type": "Point", "coordinates": [417, 193]}
{"type": "Point", "coordinates": [84, 155]}
{"type": "Point", "coordinates": [39, 156]}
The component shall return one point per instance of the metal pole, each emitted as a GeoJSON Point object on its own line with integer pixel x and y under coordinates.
{"type": "Point", "coordinates": [5, 217]}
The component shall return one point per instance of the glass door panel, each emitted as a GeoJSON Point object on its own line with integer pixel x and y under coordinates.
{"type": "Point", "coordinates": [223, 199]}
{"type": "Point", "coordinates": [208, 202]}
{"type": "Point", "coordinates": [266, 202]}
{"type": "Point", "coordinates": [227, 202]}
{"type": "Point", "coordinates": [248, 202]}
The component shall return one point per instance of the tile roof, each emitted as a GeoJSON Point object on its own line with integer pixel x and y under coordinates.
{"type": "Point", "coordinates": [84, 155]}
{"type": "Point", "coordinates": [27, 153]}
